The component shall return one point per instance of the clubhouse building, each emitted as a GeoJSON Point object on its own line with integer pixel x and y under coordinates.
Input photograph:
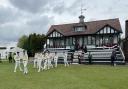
{"type": "Point", "coordinates": [95, 33]}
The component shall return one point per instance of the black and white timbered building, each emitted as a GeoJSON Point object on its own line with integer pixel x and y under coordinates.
{"type": "Point", "coordinates": [94, 33]}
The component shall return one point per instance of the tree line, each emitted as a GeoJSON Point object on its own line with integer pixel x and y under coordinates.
{"type": "Point", "coordinates": [32, 43]}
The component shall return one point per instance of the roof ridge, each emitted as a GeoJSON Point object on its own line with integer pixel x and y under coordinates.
{"type": "Point", "coordinates": [104, 20]}
{"type": "Point", "coordinates": [86, 22]}
{"type": "Point", "coordinates": [64, 24]}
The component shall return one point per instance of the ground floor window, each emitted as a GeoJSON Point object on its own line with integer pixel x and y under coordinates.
{"type": "Point", "coordinates": [97, 40]}
{"type": "Point", "coordinates": [89, 40]}
{"type": "Point", "coordinates": [93, 40]}
{"type": "Point", "coordinates": [85, 40]}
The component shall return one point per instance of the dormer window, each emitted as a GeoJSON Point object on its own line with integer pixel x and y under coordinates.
{"type": "Point", "coordinates": [79, 29]}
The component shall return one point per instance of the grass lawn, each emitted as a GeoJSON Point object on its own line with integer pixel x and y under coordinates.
{"type": "Point", "coordinates": [73, 77]}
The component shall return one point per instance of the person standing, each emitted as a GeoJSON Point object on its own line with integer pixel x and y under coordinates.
{"type": "Point", "coordinates": [10, 57]}
{"type": "Point", "coordinates": [90, 58]}
{"type": "Point", "coordinates": [72, 56]}
{"type": "Point", "coordinates": [50, 58]}
{"type": "Point", "coordinates": [65, 59]}
{"type": "Point", "coordinates": [45, 61]}
{"type": "Point", "coordinates": [13, 58]}
{"type": "Point", "coordinates": [39, 62]}
{"type": "Point", "coordinates": [80, 58]}
{"type": "Point", "coordinates": [25, 62]}
{"type": "Point", "coordinates": [17, 62]}
{"type": "Point", "coordinates": [113, 57]}
{"type": "Point", "coordinates": [56, 59]}
{"type": "Point", "coordinates": [35, 60]}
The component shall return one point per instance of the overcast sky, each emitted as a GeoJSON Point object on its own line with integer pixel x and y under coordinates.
{"type": "Point", "coordinates": [19, 17]}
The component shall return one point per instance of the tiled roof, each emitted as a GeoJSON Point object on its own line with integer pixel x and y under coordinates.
{"type": "Point", "coordinates": [92, 27]}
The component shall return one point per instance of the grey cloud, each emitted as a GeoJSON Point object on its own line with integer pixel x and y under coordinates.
{"type": "Point", "coordinates": [59, 7]}
{"type": "Point", "coordinates": [33, 6]}
{"type": "Point", "coordinates": [39, 24]}
{"type": "Point", "coordinates": [38, 20]}
{"type": "Point", "coordinates": [38, 6]}
{"type": "Point", "coordinates": [11, 31]}
{"type": "Point", "coordinates": [8, 15]}
{"type": "Point", "coordinates": [8, 34]}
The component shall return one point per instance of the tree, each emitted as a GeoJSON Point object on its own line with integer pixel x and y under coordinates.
{"type": "Point", "coordinates": [32, 43]}
{"type": "Point", "coordinates": [22, 43]}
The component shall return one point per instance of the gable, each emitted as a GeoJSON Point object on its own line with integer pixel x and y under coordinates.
{"type": "Point", "coordinates": [107, 30]}
{"type": "Point", "coordinates": [55, 34]}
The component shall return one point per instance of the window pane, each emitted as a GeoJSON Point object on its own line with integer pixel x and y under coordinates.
{"type": "Point", "coordinates": [79, 29]}
{"type": "Point", "coordinates": [93, 41]}
{"type": "Point", "coordinates": [108, 29]}
{"type": "Point", "coordinates": [101, 32]}
{"type": "Point", "coordinates": [112, 30]}
{"type": "Point", "coordinates": [105, 30]}
{"type": "Point", "coordinates": [51, 42]}
{"type": "Point", "coordinates": [85, 40]}
{"type": "Point", "coordinates": [58, 34]}
{"type": "Point", "coordinates": [89, 39]}
{"type": "Point", "coordinates": [53, 34]}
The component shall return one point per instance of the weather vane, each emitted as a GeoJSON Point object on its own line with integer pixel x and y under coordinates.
{"type": "Point", "coordinates": [82, 9]}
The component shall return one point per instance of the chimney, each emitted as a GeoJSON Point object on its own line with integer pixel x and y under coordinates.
{"type": "Point", "coordinates": [81, 17]}
{"type": "Point", "coordinates": [126, 28]}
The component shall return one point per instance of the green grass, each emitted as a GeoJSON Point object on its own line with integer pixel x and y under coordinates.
{"type": "Point", "coordinates": [73, 77]}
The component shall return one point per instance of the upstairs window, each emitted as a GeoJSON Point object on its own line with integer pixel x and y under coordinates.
{"type": "Point", "coordinates": [79, 29]}
{"type": "Point", "coordinates": [55, 34]}
{"type": "Point", "coordinates": [107, 30]}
